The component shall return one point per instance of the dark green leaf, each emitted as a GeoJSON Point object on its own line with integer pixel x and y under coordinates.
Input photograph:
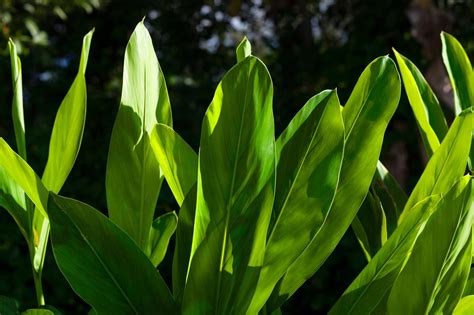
{"type": "Point", "coordinates": [161, 231]}
{"type": "Point", "coordinates": [102, 264]}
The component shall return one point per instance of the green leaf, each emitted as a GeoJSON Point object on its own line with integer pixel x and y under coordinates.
{"type": "Point", "coordinates": [462, 79]}
{"type": "Point", "coordinates": [447, 164]}
{"type": "Point", "coordinates": [460, 72]}
{"type": "Point", "coordinates": [133, 177]}
{"type": "Point", "coordinates": [374, 282]}
{"type": "Point", "coordinates": [234, 193]}
{"type": "Point", "coordinates": [366, 116]}
{"type": "Point", "coordinates": [465, 306]}
{"type": "Point", "coordinates": [428, 113]}
{"type": "Point", "coordinates": [21, 173]}
{"type": "Point", "coordinates": [17, 104]}
{"type": "Point", "coordinates": [309, 154]}
{"type": "Point", "coordinates": [378, 216]}
{"type": "Point", "coordinates": [244, 49]}
{"type": "Point", "coordinates": [390, 194]}
{"type": "Point", "coordinates": [68, 127]}
{"type": "Point", "coordinates": [64, 146]}
{"type": "Point", "coordinates": [177, 160]}
{"type": "Point", "coordinates": [161, 231]}
{"type": "Point", "coordinates": [184, 239]}
{"type": "Point", "coordinates": [439, 265]}
{"type": "Point", "coordinates": [370, 225]}
{"type": "Point", "coordinates": [102, 264]}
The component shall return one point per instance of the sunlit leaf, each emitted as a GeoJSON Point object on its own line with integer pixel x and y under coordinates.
{"type": "Point", "coordinates": [234, 193]}
{"type": "Point", "coordinates": [133, 177]}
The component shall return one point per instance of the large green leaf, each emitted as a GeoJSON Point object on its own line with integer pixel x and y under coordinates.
{"type": "Point", "coordinates": [17, 104]}
{"type": "Point", "coordinates": [460, 72]}
{"type": "Point", "coordinates": [429, 116]}
{"type": "Point", "coordinates": [374, 282]}
{"type": "Point", "coordinates": [366, 116]}
{"type": "Point", "coordinates": [234, 193]}
{"type": "Point", "coordinates": [439, 265]}
{"type": "Point", "coordinates": [21, 173]}
{"type": "Point", "coordinates": [161, 231]}
{"type": "Point", "coordinates": [465, 306]}
{"type": "Point", "coordinates": [102, 264]}
{"type": "Point", "coordinates": [177, 160]}
{"type": "Point", "coordinates": [133, 177]}
{"type": "Point", "coordinates": [309, 156]}
{"type": "Point", "coordinates": [447, 164]}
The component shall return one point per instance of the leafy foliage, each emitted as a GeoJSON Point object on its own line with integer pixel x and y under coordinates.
{"type": "Point", "coordinates": [258, 216]}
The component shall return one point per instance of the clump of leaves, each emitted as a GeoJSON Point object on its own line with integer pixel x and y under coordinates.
{"type": "Point", "coordinates": [259, 215]}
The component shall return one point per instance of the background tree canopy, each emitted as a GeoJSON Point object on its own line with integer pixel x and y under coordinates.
{"type": "Point", "coordinates": [308, 46]}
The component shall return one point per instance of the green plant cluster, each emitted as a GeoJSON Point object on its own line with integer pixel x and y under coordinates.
{"type": "Point", "coordinates": [258, 215]}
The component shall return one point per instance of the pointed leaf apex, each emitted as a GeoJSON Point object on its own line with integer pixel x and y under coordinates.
{"type": "Point", "coordinates": [243, 50]}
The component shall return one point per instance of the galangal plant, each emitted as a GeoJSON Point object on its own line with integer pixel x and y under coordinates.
{"type": "Point", "coordinates": [259, 215]}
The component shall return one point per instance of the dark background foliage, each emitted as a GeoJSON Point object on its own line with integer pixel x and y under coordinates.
{"type": "Point", "coordinates": [308, 46]}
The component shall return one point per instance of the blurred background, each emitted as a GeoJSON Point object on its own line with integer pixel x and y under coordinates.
{"type": "Point", "coordinates": [308, 46]}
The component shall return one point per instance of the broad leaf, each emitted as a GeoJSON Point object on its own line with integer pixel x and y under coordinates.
{"type": "Point", "coordinates": [366, 116]}
{"type": "Point", "coordinates": [447, 164]}
{"type": "Point", "coordinates": [374, 282]}
{"type": "Point", "coordinates": [438, 267]}
{"type": "Point", "coordinates": [429, 116]}
{"type": "Point", "coordinates": [234, 193]}
{"type": "Point", "coordinates": [161, 231]}
{"type": "Point", "coordinates": [133, 177]}
{"type": "Point", "coordinates": [102, 264]}
{"type": "Point", "coordinates": [177, 160]}
{"type": "Point", "coordinates": [465, 306]}
{"type": "Point", "coordinates": [309, 156]}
